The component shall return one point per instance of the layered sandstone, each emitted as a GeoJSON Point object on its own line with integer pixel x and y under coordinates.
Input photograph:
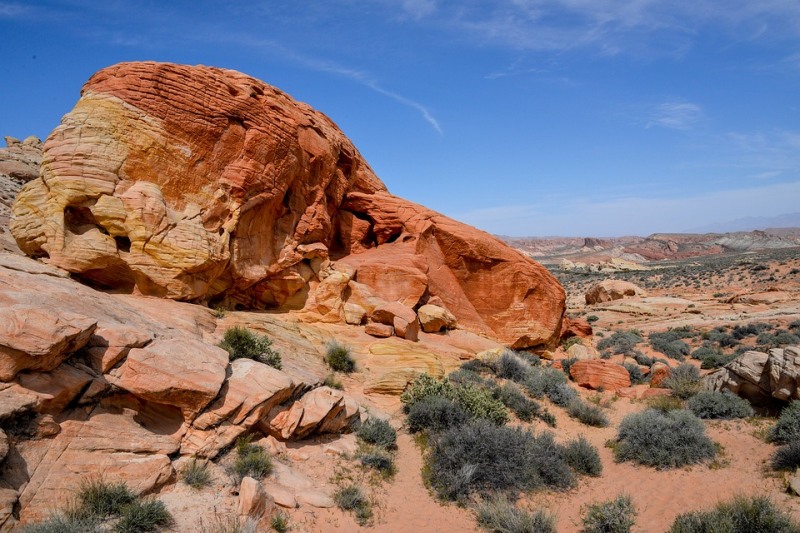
{"type": "Point", "coordinates": [203, 184]}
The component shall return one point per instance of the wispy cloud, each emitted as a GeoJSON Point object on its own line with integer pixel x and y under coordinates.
{"type": "Point", "coordinates": [615, 216]}
{"type": "Point", "coordinates": [9, 10]}
{"type": "Point", "coordinates": [419, 9]}
{"type": "Point", "coordinates": [675, 115]}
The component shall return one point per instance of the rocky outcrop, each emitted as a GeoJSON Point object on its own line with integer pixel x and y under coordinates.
{"type": "Point", "coordinates": [760, 377]}
{"type": "Point", "coordinates": [203, 184]}
{"type": "Point", "coordinates": [323, 410]}
{"type": "Point", "coordinates": [19, 164]}
{"type": "Point", "coordinates": [599, 374]}
{"type": "Point", "coordinates": [612, 289]}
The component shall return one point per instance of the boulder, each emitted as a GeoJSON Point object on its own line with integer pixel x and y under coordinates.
{"type": "Point", "coordinates": [39, 338]}
{"type": "Point", "coordinates": [612, 289]}
{"type": "Point", "coordinates": [379, 330]}
{"type": "Point", "coordinates": [581, 352]}
{"type": "Point", "coordinates": [401, 317]}
{"type": "Point", "coordinates": [204, 184]}
{"type": "Point", "coordinates": [576, 327]}
{"type": "Point", "coordinates": [253, 499]}
{"type": "Point", "coordinates": [186, 373]}
{"type": "Point", "coordinates": [354, 314]}
{"type": "Point", "coordinates": [658, 373]}
{"type": "Point", "coordinates": [761, 378]}
{"type": "Point", "coordinates": [599, 373]}
{"type": "Point", "coordinates": [110, 343]}
{"type": "Point", "coordinates": [323, 410]}
{"type": "Point", "coordinates": [396, 363]}
{"type": "Point", "coordinates": [54, 390]}
{"type": "Point", "coordinates": [434, 318]}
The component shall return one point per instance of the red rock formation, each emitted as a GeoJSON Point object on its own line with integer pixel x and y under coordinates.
{"type": "Point", "coordinates": [198, 183]}
{"type": "Point", "coordinates": [597, 373]}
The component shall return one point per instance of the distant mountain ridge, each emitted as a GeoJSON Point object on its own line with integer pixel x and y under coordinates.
{"type": "Point", "coordinates": [788, 220]}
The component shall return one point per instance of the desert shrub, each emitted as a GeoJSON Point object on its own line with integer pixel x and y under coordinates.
{"type": "Point", "coordinates": [583, 457]}
{"type": "Point", "coordinates": [463, 376]}
{"type": "Point", "coordinates": [332, 382]}
{"type": "Point", "coordinates": [510, 366]}
{"type": "Point", "coordinates": [543, 380]}
{"type": "Point", "coordinates": [242, 343]}
{"type": "Point", "coordinates": [586, 413]}
{"type": "Point", "coordinates": [562, 395]}
{"type": "Point", "coordinates": [795, 325]}
{"type": "Point", "coordinates": [280, 522]}
{"type": "Point", "coordinates": [251, 460]}
{"type": "Point", "coordinates": [663, 439]}
{"type": "Point", "coordinates": [482, 457]}
{"type": "Point", "coordinates": [473, 365]}
{"type": "Point", "coordinates": [621, 342]}
{"type": "Point", "coordinates": [787, 457]}
{"type": "Point", "coordinates": [378, 432]}
{"type": "Point", "coordinates": [65, 523]}
{"type": "Point", "coordinates": [230, 524]}
{"type": "Point", "coordinates": [338, 357]}
{"type": "Point", "coordinates": [725, 405]}
{"type": "Point", "coordinates": [498, 514]}
{"type": "Point", "coordinates": [531, 358]}
{"type": "Point", "coordinates": [592, 318]}
{"type": "Point", "coordinates": [567, 363]}
{"type": "Point", "coordinates": [479, 403]}
{"type": "Point", "coordinates": [424, 386]}
{"type": "Point", "coordinates": [684, 381]}
{"type": "Point", "coordinates": [569, 342]}
{"type": "Point", "coordinates": [612, 516]}
{"type": "Point", "coordinates": [99, 499]}
{"type": "Point", "coordinates": [143, 517]}
{"type": "Point", "coordinates": [749, 330]}
{"type": "Point", "coordinates": [643, 359]}
{"type": "Point", "coordinates": [514, 399]}
{"type": "Point", "coordinates": [435, 413]}
{"type": "Point", "coordinates": [787, 428]}
{"type": "Point", "coordinates": [740, 515]}
{"type": "Point", "coordinates": [196, 474]}
{"type": "Point", "coordinates": [717, 360]}
{"type": "Point", "coordinates": [635, 373]}
{"type": "Point", "coordinates": [352, 498]}
{"type": "Point", "coordinates": [670, 344]}
{"type": "Point", "coordinates": [378, 460]}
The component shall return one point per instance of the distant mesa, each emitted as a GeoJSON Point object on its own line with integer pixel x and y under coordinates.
{"type": "Point", "coordinates": [206, 185]}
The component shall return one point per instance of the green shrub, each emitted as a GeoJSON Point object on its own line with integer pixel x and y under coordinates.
{"type": "Point", "coordinates": [585, 413]}
{"type": "Point", "coordinates": [241, 343]}
{"type": "Point", "coordinates": [378, 460]}
{"type": "Point", "coordinates": [479, 403]}
{"type": "Point", "coordinates": [621, 342]}
{"type": "Point", "coordinates": [665, 403]}
{"type": "Point", "coordinates": [670, 343]}
{"type": "Point", "coordinates": [635, 373]}
{"type": "Point", "coordinates": [230, 524]}
{"type": "Point", "coordinates": [338, 357]}
{"type": "Point", "coordinates": [435, 413]}
{"type": "Point", "coordinates": [473, 365]}
{"type": "Point", "coordinates": [787, 457]}
{"type": "Point", "coordinates": [196, 474]}
{"type": "Point", "coordinates": [787, 428]}
{"type": "Point", "coordinates": [280, 522]}
{"type": "Point", "coordinates": [99, 499]}
{"type": "Point", "coordinates": [725, 405]}
{"type": "Point", "coordinates": [143, 517]}
{"type": "Point", "coordinates": [643, 359]}
{"type": "Point", "coordinates": [332, 382]}
{"type": "Point", "coordinates": [463, 376]}
{"type": "Point", "coordinates": [542, 381]}
{"type": "Point", "coordinates": [61, 523]}
{"type": "Point", "coordinates": [583, 457]}
{"type": "Point", "coordinates": [684, 381]}
{"type": "Point", "coordinates": [510, 366]}
{"type": "Point", "coordinates": [567, 363]}
{"type": "Point", "coordinates": [612, 516]}
{"type": "Point", "coordinates": [717, 360]}
{"type": "Point", "coordinates": [592, 318]}
{"type": "Point", "coordinates": [740, 515]}
{"type": "Point", "coordinates": [378, 432]}
{"type": "Point", "coordinates": [352, 498]}
{"type": "Point", "coordinates": [251, 460]}
{"type": "Point", "coordinates": [480, 457]}
{"type": "Point", "coordinates": [663, 439]}
{"type": "Point", "coordinates": [562, 395]}
{"type": "Point", "coordinates": [521, 405]}
{"type": "Point", "coordinates": [424, 386]}
{"type": "Point", "coordinates": [498, 514]}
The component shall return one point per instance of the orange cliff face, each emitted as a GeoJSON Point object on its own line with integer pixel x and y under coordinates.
{"type": "Point", "coordinates": [204, 184]}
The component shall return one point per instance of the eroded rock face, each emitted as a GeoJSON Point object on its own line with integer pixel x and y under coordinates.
{"type": "Point", "coordinates": [612, 289]}
{"type": "Point", "coordinates": [198, 184]}
{"type": "Point", "coordinates": [761, 377]}
{"type": "Point", "coordinates": [598, 373]}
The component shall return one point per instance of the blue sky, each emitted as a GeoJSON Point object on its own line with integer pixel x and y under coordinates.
{"type": "Point", "coordinates": [521, 117]}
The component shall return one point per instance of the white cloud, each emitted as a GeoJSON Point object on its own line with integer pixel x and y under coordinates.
{"type": "Point", "coordinates": [12, 10]}
{"type": "Point", "coordinates": [419, 9]}
{"type": "Point", "coordinates": [675, 115]}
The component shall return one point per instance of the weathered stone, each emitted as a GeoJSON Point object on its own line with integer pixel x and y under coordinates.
{"type": "Point", "coordinates": [576, 327]}
{"type": "Point", "coordinates": [354, 314]}
{"type": "Point", "coordinates": [323, 410]}
{"type": "Point", "coordinates": [281, 495]}
{"type": "Point", "coordinates": [3, 445]}
{"type": "Point", "coordinates": [253, 499]}
{"type": "Point", "coordinates": [658, 373]}
{"type": "Point", "coordinates": [39, 338]}
{"type": "Point", "coordinates": [397, 363]}
{"type": "Point", "coordinates": [612, 289]}
{"type": "Point", "coordinates": [379, 330]}
{"type": "Point", "coordinates": [54, 390]}
{"type": "Point", "coordinates": [434, 318]}
{"type": "Point", "coordinates": [404, 280]}
{"type": "Point", "coordinates": [600, 374]}
{"type": "Point", "coordinates": [315, 498]}
{"type": "Point", "coordinates": [110, 343]}
{"type": "Point", "coordinates": [582, 352]}
{"type": "Point", "coordinates": [759, 377]}
{"type": "Point", "coordinates": [186, 373]}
